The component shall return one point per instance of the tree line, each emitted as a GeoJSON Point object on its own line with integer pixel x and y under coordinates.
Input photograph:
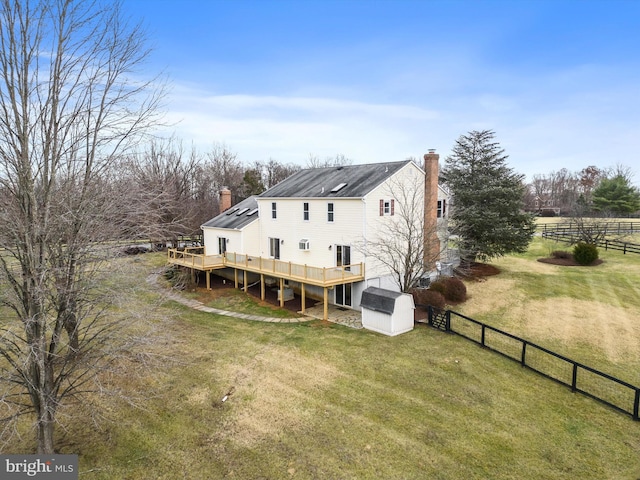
{"type": "Point", "coordinates": [169, 191]}
{"type": "Point", "coordinates": [592, 190]}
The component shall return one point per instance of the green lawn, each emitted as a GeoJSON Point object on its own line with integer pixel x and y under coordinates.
{"type": "Point", "coordinates": [590, 314]}
{"type": "Point", "coordinates": [316, 400]}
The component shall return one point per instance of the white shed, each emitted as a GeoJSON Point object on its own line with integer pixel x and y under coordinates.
{"type": "Point", "coordinates": [386, 311]}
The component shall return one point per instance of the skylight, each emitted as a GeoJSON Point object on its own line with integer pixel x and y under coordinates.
{"type": "Point", "coordinates": [242, 211]}
{"type": "Point", "coordinates": [252, 212]}
{"type": "Point", "coordinates": [339, 187]}
{"type": "Point", "coordinates": [231, 210]}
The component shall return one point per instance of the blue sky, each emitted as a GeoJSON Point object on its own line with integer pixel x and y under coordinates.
{"type": "Point", "coordinates": [381, 80]}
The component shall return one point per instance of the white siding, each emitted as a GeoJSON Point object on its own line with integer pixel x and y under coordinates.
{"type": "Point", "coordinates": [400, 321]}
{"type": "Point", "coordinates": [410, 175]}
{"type": "Point", "coordinates": [290, 228]}
{"type": "Point", "coordinates": [239, 241]}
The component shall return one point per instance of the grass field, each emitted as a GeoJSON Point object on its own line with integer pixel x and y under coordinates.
{"type": "Point", "coordinates": [316, 400]}
{"type": "Point", "coordinates": [590, 314]}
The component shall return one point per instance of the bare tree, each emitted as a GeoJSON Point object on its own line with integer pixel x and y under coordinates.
{"type": "Point", "coordinates": [164, 180]}
{"type": "Point", "coordinates": [275, 172]}
{"type": "Point", "coordinates": [339, 160]}
{"type": "Point", "coordinates": [400, 244]}
{"type": "Point", "coordinates": [69, 104]}
{"type": "Point", "coordinates": [225, 170]}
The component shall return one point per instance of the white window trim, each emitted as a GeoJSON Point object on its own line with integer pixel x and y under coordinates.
{"type": "Point", "coordinates": [331, 213]}
{"type": "Point", "coordinates": [306, 212]}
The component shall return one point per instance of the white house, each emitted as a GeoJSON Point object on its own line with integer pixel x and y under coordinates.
{"type": "Point", "coordinates": [309, 232]}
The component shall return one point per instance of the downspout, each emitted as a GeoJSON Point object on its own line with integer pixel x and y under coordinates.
{"type": "Point", "coordinates": [364, 235]}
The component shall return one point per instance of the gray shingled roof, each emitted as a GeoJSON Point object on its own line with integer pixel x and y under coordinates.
{"type": "Point", "coordinates": [319, 182]}
{"type": "Point", "coordinates": [230, 219]}
{"type": "Point", "coordinates": [379, 299]}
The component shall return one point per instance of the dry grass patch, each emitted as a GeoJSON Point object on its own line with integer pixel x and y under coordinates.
{"type": "Point", "coordinates": [615, 331]}
{"type": "Point", "coordinates": [271, 394]}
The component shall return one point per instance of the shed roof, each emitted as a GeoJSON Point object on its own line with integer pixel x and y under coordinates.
{"type": "Point", "coordinates": [379, 299]}
{"type": "Point", "coordinates": [237, 217]}
{"type": "Point", "coordinates": [348, 181]}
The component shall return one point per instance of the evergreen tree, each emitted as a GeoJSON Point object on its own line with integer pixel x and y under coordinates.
{"type": "Point", "coordinates": [488, 210]}
{"type": "Point", "coordinates": [616, 195]}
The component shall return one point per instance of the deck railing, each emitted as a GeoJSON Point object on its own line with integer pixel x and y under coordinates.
{"type": "Point", "coordinates": [189, 258]}
{"type": "Point", "coordinates": [322, 276]}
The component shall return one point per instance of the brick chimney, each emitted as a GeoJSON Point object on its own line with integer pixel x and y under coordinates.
{"type": "Point", "coordinates": [225, 199]}
{"type": "Point", "coordinates": [431, 240]}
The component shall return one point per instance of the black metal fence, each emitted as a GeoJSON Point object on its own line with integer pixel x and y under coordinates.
{"type": "Point", "coordinates": [616, 393]}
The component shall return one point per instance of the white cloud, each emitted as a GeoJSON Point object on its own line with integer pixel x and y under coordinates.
{"type": "Point", "coordinates": [289, 128]}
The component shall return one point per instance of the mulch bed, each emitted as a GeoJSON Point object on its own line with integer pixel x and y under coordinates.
{"type": "Point", "coordinates": [568, 262]}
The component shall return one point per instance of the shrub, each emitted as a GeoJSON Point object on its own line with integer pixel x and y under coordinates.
{"type": "Point", "coordinates": [561, 254]}
{"type": "Point", "coordinates": [438, 286]}
{"type": "Point", "coordinates": [424, 296]}
{"type": "Point", "coordinates": [585, 253]}
{"type": "Point", "coordinates": [455, 290]}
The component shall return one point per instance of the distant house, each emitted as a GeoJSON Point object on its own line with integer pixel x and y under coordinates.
{"type": "Point", "coordinates": [544, 204]}
{"type": "Point", "coordinates": [306, 233]}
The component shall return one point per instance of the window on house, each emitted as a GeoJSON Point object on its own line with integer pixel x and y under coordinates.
{"type": "Point", "coordinates": [387, 207]}
{"type": "Point", "coordinates": [274, 248]}
{"type": "Point", "coordinates": [442, 208]}
{"type": "Point", "coordinates": [222, 245]}
{"type": "Point", "coordinates": [329, 212]}
{"type": "Point", "coordinates": [305, 211]}
{"type": "Point", "coordinates": [274, 211]}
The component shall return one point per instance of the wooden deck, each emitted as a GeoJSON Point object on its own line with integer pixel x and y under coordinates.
{"type": "Point", "coordinates": [320, 276]}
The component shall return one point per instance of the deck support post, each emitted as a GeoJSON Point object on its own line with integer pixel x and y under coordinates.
{"type": "Point", "coordinates": [325, 314]}
{"type": "Point", "coordinates": [262, 287]}
{"type": "Point", "coordinates": [302, 295]}
{"type": "Point", "coordinates": [281, 292]}
{"type": "Point", "coordinates": [208, 279]}
{"type": "Point", "coordinates": [244, 281]}
{"type": "Point", "coordinates": [235, 276]}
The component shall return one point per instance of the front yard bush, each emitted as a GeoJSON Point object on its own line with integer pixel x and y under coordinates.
{"type": "Point", "coordinates": [585, 253]}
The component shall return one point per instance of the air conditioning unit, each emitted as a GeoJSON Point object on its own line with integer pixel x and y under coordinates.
{"type": "Point", "coordinates": [303, 244]}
